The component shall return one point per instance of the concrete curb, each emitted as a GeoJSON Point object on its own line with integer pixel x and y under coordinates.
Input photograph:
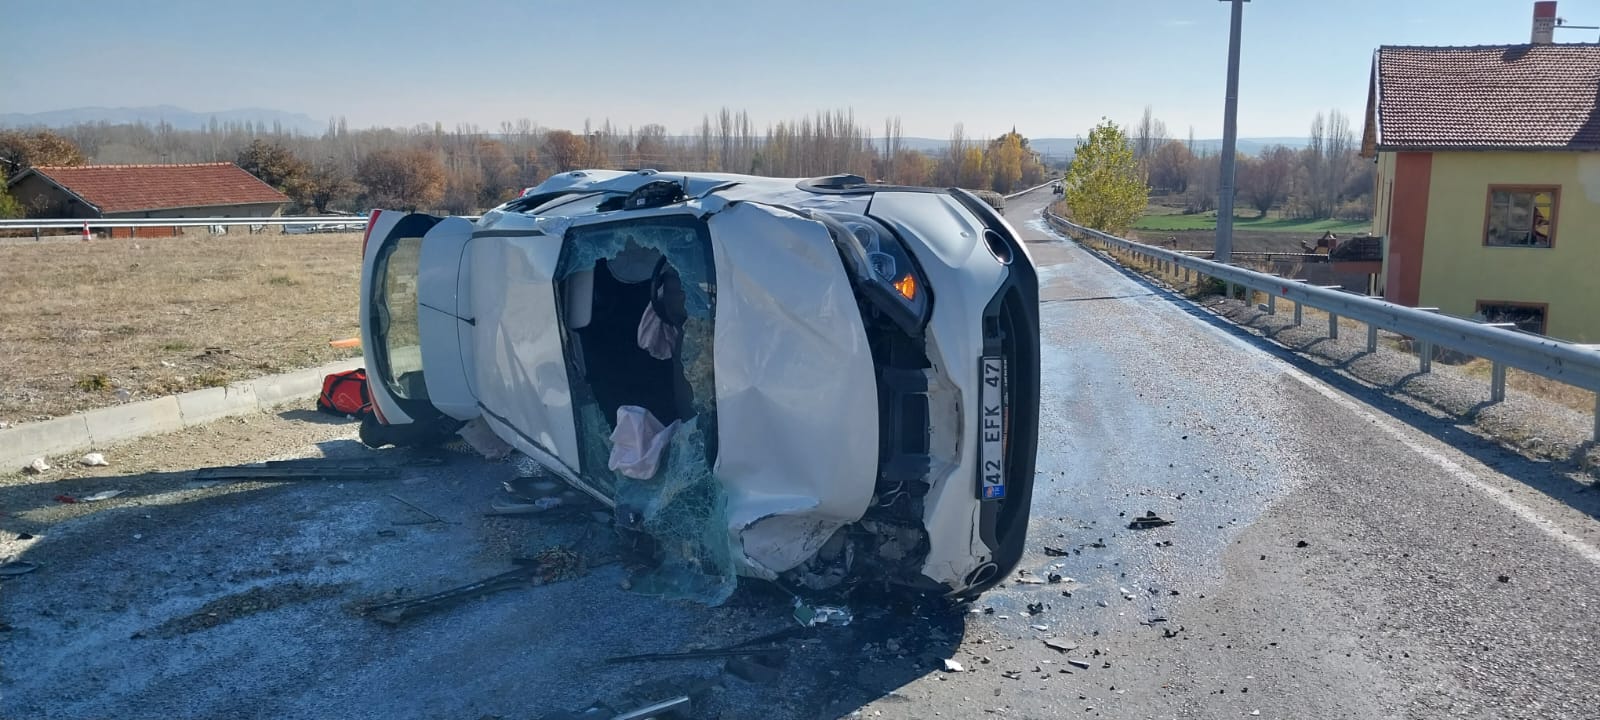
{"type": "Point", "coordinates": [97, 429]}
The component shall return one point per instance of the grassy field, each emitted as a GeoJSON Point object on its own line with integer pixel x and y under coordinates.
{"type": "Point", "coordinates": [1165, 222]}
{"type": "Point", "coordinates": [79, 321]}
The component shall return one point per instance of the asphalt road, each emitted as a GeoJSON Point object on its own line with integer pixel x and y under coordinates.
{"type": "Point", "coordinates": [1328, 560]}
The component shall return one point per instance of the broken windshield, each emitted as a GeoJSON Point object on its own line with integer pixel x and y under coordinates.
{"type": "Point", "coordinates": [638, 299]}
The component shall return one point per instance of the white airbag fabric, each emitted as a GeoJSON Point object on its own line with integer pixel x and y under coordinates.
{"type": "Point", "coordinates": [797, 402]}
{"type": "Point", "coordinates": [656, 337]}
{"type": "Point", "coordinates": [637, 442]}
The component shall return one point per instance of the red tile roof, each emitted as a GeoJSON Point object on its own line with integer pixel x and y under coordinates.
{"type": "Point", "coordinates": [135, 188]}
{"type": "Point", "coordinates": [1534, 97]}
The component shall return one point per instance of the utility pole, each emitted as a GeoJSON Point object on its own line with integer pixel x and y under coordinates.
{"type": "Point", "coordinates": [1230, 139]}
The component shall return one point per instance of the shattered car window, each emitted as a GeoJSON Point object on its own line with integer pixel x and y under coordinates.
{"type": "Point", "coordinates": [644, 290]}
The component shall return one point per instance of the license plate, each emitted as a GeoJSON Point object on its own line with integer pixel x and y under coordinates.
{"type": "Point", "coordinates": [992, 426]}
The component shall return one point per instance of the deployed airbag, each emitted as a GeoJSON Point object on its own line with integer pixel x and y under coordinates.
{"type": "Point", "coordinates": [637, 442]}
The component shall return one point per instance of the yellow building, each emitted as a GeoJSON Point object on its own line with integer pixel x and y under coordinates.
{"type": "Point", "coordinates": [1488, 183]}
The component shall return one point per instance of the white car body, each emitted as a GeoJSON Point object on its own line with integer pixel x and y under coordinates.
{"type": "Point", "coordinates": [835, 399]}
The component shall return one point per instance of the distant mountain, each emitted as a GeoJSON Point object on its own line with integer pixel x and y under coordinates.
{"type": "Point", "coordinates": [178, 117]}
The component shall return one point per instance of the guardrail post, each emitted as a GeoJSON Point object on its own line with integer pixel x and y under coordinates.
{"type": "Point", "coordinates": [1372, 338]}
{"type": "Point", "coordinates": [1272, 304]}
{"type": "Point", "coordinates": [1333, 318]}
{"type": "Point", "coordinates": [1229, 287]}
{"type": "Point", "coordinates": [1425, 349]}
{"type": "Point", "coordinates": [1497, 371]}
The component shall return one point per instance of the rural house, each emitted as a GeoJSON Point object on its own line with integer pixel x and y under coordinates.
{"type": "Point", "coordinates": [145, 191]}
{"type": "Point", "coordinates": [1488, 182]}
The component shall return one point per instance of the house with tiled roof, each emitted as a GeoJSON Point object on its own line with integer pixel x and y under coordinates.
{"type": "Point", "coordinates": [1488, 182]}
{"type": "Point", "coordinates": [145, 191]}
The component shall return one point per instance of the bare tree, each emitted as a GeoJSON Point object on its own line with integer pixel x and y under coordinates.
{"type": "Point", "coordinates": [1150, 134]}
{"type": "Point", "coordinates": [1264, 180]}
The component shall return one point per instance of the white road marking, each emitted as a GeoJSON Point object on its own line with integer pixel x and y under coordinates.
{"type": "Point", "coordinates": [1531, 516]}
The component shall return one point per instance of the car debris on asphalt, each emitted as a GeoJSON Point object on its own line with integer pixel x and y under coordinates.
{"type": "Point", "coordinates": [1148, 521]}
{"type": "Point", "coordinates": [339, 470]}
{"type": "Point", "coordinates": [102, 495]}
{"type": "Point", "coordinates": [418, 508]}
{"type": "Point", "coordinates": [813, 615]}
{"type": "Point", "coordinates": [14, 568]}
{"type": "Point", "coordinates": [546, 567]}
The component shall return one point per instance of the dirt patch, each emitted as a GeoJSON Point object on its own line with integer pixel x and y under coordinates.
{"type": "Point", "coordinates": [226, 609]}
{"type": "Point", "coordinates": [85, 325]}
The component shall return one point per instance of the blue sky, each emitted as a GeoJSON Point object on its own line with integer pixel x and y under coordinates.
{"type": "Point", "coordinates": [1051, 68]}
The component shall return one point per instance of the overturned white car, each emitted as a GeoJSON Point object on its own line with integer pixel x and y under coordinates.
{"type": "Point", "coordinates": [817, 382]}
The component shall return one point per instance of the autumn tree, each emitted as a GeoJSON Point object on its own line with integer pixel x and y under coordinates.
{"type": "Point", "coordinates": [274, 165]}
{"type": "Point", "coordinates": [1005, 161]}
{"type": "Point", "coordinates": [402, 179]}
{"type": "Point", "coordinates": [913, 168]}
{"type": "Point", "coordinates": [1103, 187]}
{"type": "Point", "coordinates": [500, 174]}
{"type": "Point", "coordinates": [1169, 165]}
{"type": "Point", "coordinates": [323, 187]}
{"type": "Point", "coordinates": [22, 150]}
{"type": "Point", "coordinates": [970, 172]}
{"type": "Point", "coordinates": [565, 150]}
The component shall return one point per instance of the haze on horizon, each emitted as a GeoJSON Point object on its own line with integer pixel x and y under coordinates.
{"type": "Point", "coordinates": [1050, 69]}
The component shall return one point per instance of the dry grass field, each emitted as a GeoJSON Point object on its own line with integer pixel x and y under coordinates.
{"type": "Point", "coordinates": [154, 316]}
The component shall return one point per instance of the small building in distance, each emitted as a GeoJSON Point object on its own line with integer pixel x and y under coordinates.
{"type": "Point", "coordinates": [109, 192]}
{"type": "Point", "coordinates": [1488, 182]}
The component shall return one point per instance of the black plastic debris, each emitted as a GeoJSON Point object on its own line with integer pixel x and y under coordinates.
{"type": "Point", "coordinates": [1055, 552]}
{"type": "Point", "coordinates": [1054, 578]}
{"type": "Point", "coordinates": [1035, 608]}
{"type": "Point", "coordinates": [758, 647]}
{"type": "Point", "coordinates": [1079, 664]}
{"type": "Point", "coordinates": [1150, 520]}
{"type": "Point", "coordinates": [340, 470]}
{"type": "Point", "coordinates": [546, 567]}
{"type": "Point", "coordinates": [17, 567]}
{"type": "Point", "coordinates": [1302, 544]}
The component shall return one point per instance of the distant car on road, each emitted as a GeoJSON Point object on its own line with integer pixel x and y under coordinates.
{"type": "Point", "coordinates": [842, 375]}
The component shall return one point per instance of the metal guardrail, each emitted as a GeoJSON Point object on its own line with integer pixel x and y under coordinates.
{"type": "Point", "coordinates": [352, 222]}
{"type": "Point", "coordinates": [358, 221]}
{"type": "Point", "coordinates": [1500, 344]}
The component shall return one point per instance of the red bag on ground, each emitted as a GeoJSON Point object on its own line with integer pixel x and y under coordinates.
{"type": "Point", "coordinates": [345, 393]}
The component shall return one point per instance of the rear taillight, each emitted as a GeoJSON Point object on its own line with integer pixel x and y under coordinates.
{"type": "Point", "coordinates": [372, 219]}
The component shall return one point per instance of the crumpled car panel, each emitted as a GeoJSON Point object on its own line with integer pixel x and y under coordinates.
{"type": "Point", "coordinates": [796, 393]}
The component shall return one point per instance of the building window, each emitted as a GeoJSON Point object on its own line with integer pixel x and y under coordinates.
{"type": "Point", "coordinates": [1529, 317]}
{"type": "Point", "coordinates": [1521, 217]}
